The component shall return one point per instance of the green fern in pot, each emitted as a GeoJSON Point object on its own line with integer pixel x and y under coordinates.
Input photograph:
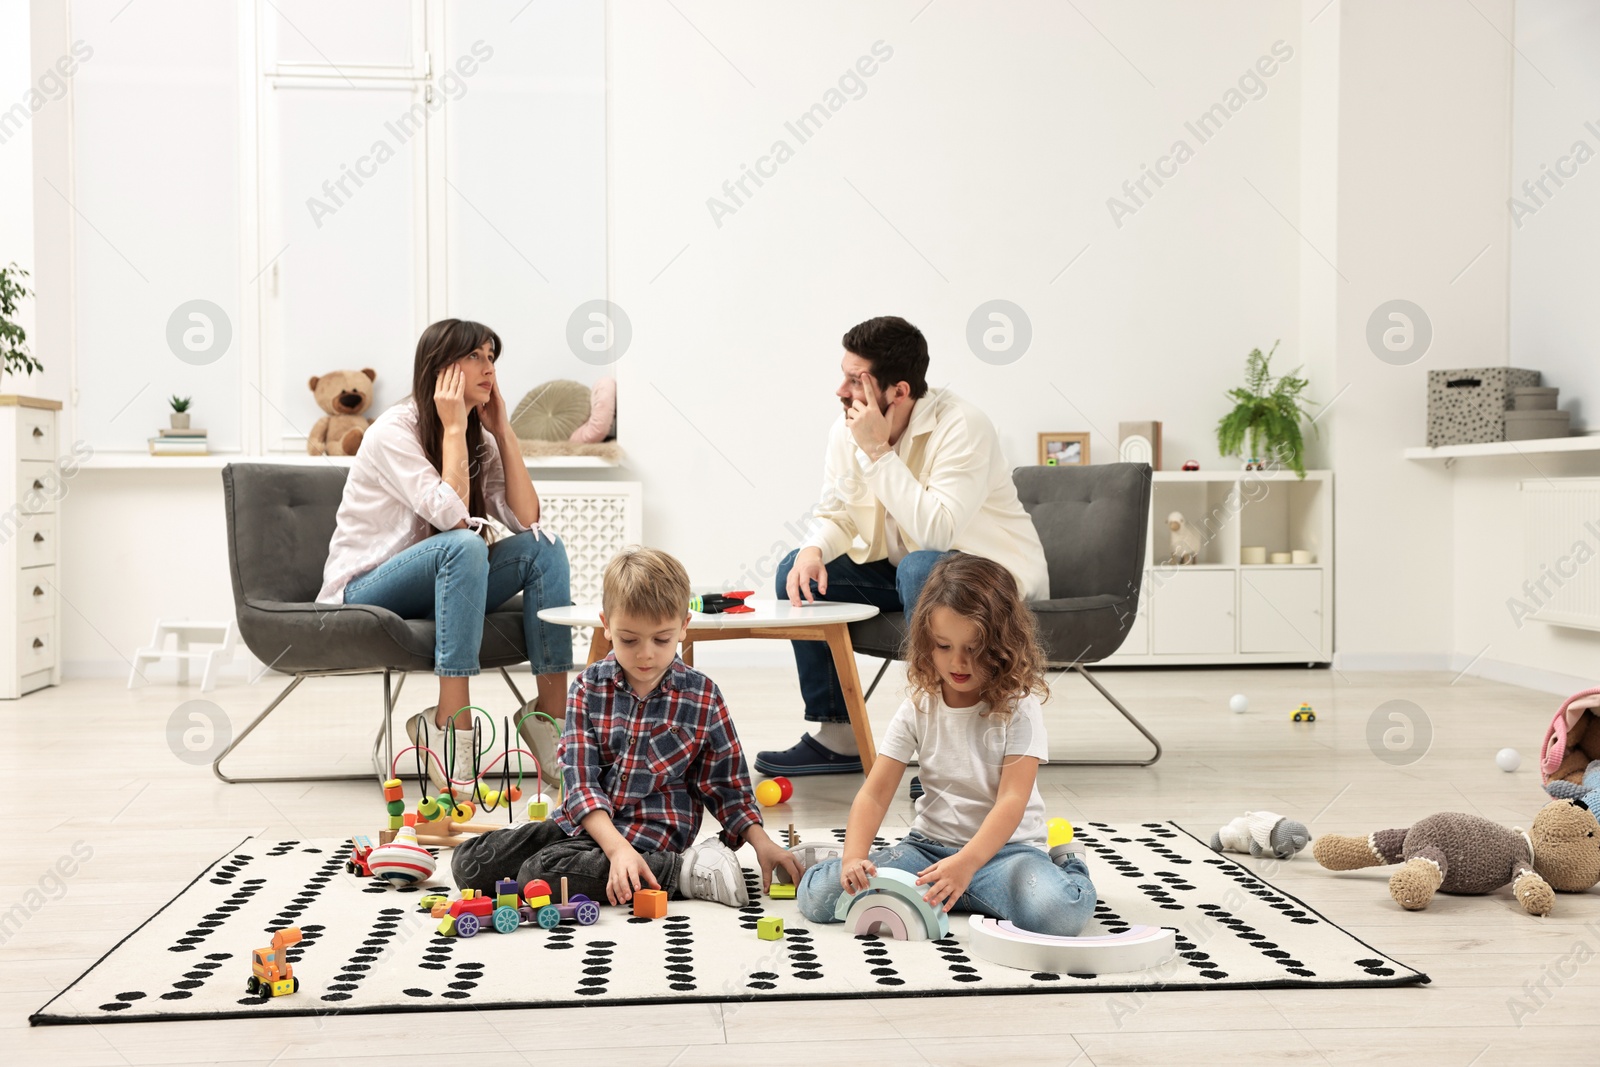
{"type": "Point", "coordinates": [1266, 414]}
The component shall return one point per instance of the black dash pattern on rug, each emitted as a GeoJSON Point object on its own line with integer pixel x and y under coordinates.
{"type": "Point", "coordinates": [366, 948]}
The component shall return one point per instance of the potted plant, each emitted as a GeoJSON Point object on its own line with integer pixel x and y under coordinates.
{"type": "Point", "coordinates": [13, 339]}
{"type": "Point", "coordinates": [1267, 413]}
{"type": "Point", "coordinates": [180, 412]}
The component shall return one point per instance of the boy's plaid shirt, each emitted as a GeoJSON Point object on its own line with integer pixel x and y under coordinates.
{"type": "Point", "coordinates": [653, 765]}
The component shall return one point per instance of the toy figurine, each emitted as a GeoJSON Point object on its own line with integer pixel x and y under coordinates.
{"type": "Point", "coordinates": [1262, 833]}
{"type": "Point", "coordinates": [1185, 540]}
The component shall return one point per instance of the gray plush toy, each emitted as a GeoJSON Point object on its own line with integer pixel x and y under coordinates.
{"type": "Point", "coordinates": [1262, 833]}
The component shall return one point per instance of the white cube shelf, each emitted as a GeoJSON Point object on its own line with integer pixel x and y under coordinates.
{"type": "Point", "coordinates": [1221, 610]}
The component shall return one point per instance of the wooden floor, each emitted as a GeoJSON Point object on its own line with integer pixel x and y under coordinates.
{"type": "Point", "coordinates": [90, 762]}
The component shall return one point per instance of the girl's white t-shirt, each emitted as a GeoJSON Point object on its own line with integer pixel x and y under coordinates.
{"type": "Point", "coordinates": [961, 753]}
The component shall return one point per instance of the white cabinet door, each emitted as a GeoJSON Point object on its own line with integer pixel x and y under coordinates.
{"type": "Point", "coordinates": [1281, 611]}
{"type": "Point", "coordinates": [1191, 612]}
{"type": "Point", "coordinates": [1137, 642]}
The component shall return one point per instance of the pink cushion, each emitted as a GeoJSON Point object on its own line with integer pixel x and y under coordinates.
{"type": "Point", "coordinates": [602, 413]}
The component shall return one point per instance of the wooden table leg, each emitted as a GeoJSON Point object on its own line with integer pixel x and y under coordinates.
{"type": "Point", "coordinates": [844, 664]}
{"type": "Point", "coordinates": [598, 645]}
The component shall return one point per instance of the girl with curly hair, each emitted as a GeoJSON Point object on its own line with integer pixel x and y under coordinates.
{"type": "Point", "coordinates": [972, 721]}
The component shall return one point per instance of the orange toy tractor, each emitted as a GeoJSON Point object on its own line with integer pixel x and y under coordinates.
{"type": "Point", "coordinates": [271, 975]}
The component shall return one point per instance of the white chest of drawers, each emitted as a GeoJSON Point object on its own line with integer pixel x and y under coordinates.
{"type": "Point", "coordinates": [31, 488]}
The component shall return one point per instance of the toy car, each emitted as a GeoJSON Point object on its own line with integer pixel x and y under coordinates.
{"type": "Point", "coordinates": [360, 850]}
{"type": "Point", "coordinates": [1304, 713]}
{"type": "Point", "coordinates": [270, 973]}
{"type": "Point", "coordinates": [1191, 465]}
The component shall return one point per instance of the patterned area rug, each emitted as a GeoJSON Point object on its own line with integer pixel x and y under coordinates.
{"type": "Point", "coordinates": [366, 947]}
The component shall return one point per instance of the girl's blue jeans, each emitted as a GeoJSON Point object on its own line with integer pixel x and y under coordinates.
{"type": "Point", "coordinates": [455, 579]}
{"type": "Point", "coordinates": [1019, 883]}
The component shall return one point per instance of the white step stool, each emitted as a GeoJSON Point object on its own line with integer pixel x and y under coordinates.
{"type": "Point", "coordinates": [206, 633]}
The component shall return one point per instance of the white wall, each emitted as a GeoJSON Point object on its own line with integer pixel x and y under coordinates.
{"type": "Point", "coordinates": [1423, 126]}
{"type": "Point", "coordinates": [976, 165]}
{"type": "Point", "coordinates": [1554, 328]}
{"type": "Point", "coordinates": [1555, 320]}
{"type": "Point", "coordinates": [16, 163]}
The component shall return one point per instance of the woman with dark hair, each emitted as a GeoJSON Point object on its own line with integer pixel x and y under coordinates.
{"type": "Point", "coordinates": [412, 536]}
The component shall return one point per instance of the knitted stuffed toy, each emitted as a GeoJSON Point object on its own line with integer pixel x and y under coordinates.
{"type": "Point", "coordinates": [1262, 833]}
{"type": "Point", "coordinates": [1587, 790]}
{"type": "Point", "coordinates": [1467, 854]}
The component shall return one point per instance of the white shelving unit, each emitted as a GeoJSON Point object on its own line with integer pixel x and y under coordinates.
{"type": "Point", "coordinates": [30, 489]}
{"type": "Point", "coordinates": [1222, 611]}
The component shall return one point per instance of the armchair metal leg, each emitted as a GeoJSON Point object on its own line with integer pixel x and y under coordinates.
{"type": "Point", "coordinates": [385, 737]}
{"type": "Point", "coordinates": [876, 678]}
{"type": "Point", "coordinates": [1126, 714]}
{"type": "Point", "coordinates": [514, 690]}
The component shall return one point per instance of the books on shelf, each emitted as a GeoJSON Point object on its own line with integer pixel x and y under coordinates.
{"type": "Point", "coordinates": [186, 442]}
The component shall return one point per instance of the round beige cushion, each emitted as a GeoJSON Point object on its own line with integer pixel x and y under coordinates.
{"type": "Point", "coordinates": [550, 412]}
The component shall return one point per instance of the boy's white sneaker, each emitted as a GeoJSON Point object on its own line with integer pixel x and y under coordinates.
{"type": "Point", "coordinates": [712, 872]}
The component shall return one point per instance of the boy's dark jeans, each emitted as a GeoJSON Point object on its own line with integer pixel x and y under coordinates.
{"type": "Point", "coordinates": [540, 850]}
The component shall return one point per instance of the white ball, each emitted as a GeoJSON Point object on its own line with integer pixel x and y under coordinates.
{"type": "Point", "coordinates": [1239, 703]}
{"type": "Point", "coordinates": [1508, 759]}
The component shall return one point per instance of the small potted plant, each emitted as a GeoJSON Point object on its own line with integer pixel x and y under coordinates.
{"type": "Point", "coordinates": [1267, 413]}
{"type": "Point", "coordinates": [180, 412]}
{"type": "Point", "coordinates": [17, 360]}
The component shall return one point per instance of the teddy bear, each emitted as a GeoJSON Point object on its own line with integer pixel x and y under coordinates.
{"type": "Point", "coordinates": [344, 395]}
{"type": "Point", "coordinates": [1455, 853]}
{"type": "Point", "coordinates": [1262, 833]}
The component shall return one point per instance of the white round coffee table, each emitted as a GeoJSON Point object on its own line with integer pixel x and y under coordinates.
{"type": "Point", "coordinates": [773, 619]}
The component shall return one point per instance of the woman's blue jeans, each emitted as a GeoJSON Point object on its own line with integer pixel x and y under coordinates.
{"type": "Point", "coordinates": [454, 579]}
{"type": "Point", "coordinates": [1019, 883]}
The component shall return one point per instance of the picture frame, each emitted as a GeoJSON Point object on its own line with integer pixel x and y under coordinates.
{"type": "Point", "coordinates": [1139, 442]}
{"type": "Point", "coordinates": [1064, 450]}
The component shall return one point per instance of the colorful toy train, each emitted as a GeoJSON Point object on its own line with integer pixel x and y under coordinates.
{"type": "Point", "coordinates": [507, 911]}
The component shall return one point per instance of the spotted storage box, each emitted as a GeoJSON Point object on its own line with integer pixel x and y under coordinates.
{"type": "Point", "coordinates": [1468, 406]}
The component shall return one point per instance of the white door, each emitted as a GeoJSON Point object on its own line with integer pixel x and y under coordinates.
{"type": "Point", "coordinates": [1191, 611]}
{"type": "Point", "coordinates": [1281, 611]}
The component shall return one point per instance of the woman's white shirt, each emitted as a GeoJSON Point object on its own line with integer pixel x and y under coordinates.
{"type": "Point", "coordinates": [394, 499]}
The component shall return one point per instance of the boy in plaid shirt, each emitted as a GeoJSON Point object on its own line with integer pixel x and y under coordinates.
{"type": "Point", "coordinates": [648, 747]}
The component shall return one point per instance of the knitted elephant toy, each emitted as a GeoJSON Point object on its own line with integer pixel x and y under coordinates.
{"type": "Point", "coordinates": [1262, 833]}
{"type": "Point", "coordinates": [1455, 853]}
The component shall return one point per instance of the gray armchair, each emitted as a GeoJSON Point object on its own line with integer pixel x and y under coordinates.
{"type": "Point", "coordinates": [280, 522]}
{"type": "Point", "coordinates": [1094, 523]}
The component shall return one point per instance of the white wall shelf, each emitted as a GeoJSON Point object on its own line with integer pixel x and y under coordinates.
{"type": "Point", "coordinates": [218, 460]}
{"type": "Point", "coordinates": [1220, 611]}
{"type": "Point", "coordinates": [1590, 443]}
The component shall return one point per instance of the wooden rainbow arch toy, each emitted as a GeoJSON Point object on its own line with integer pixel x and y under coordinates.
{"type": "Point", "coordinates": [1135, 949]}
{"type": "Point", "coordinates": [892, 904]}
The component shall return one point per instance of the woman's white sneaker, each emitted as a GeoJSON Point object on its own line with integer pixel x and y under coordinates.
{"type": "Point", "coordinates": [541, 736]}
{"type": "Point", "coordinates": [459, 747]}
